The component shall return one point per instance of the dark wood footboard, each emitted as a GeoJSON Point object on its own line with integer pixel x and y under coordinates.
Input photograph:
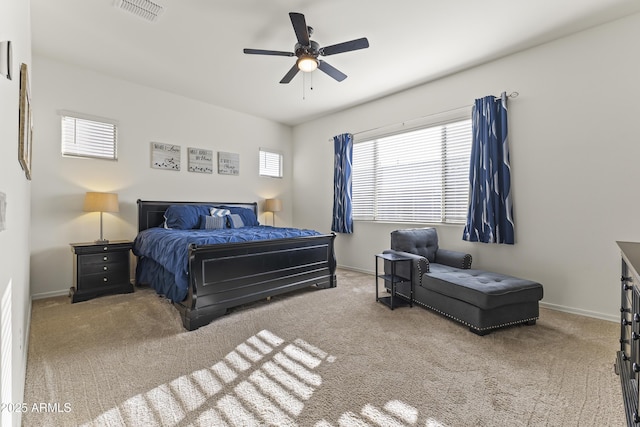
{"type": "Point", "coordinates": [225, 276]}
{"type": "Point", "coordinates": [228, 275]}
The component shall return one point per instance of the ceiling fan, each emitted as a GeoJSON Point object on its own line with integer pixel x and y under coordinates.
{"type": "Point", "coordinates": [308, 51]}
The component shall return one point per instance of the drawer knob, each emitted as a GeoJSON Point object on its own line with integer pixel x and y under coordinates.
{"type": "Point", "coordinates": [625, 322]}
{"type": "Point", "coordinates": [627, 287]}
{"type": "Point", "coordinates": [104, 279]}
{"type": "Point", "coordinates": [105, 258]}
{"type": "Point", "coordinates": [636, 367]}
{"type": "Point", "coordinates": [636, 317]}
{"type": "Point", "coordinates": [635, 336]}
{"type": "Point", "coordinates": [625, 310]}
{"type": "Point", "coordinates": [105, 269]}
{"type": "Point", "coordinates": [105, 248]}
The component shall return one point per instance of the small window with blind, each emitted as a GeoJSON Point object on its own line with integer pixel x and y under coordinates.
{"type": "Point", "coordinates": [270, 163]}
{"type": "Point", "coordinates": [417, 176]}
{"type": "Point", "coordinates": [86, 136]}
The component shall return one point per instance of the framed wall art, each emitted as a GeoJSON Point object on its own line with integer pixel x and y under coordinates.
{"type": "Point", "coordinates": [200, 160]}
{"type": "Point", "coordinates": [25, 121]}
{"type": "Point", "coordinates": [228, 163]}
{"type": "Point", "coordinates": [165, 156]}
{"type": "Point", "coordinates": [6, 59]}
{"type": "Point", "coordinates": [3, 211]}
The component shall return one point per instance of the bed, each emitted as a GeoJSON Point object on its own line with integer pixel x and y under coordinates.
{"type": "Point", "coordinates": [205, 278]}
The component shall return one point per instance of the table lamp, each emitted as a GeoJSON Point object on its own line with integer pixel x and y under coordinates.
{"type": "Point", "coordinates": [101, 202]}
{"type": "Point", "coordinates": [273, 206]}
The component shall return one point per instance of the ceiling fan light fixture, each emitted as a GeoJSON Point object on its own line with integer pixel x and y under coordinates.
{"type": "Point", "coordinates": [307, 63]}
{"type": "Point", "coordinates": [308, 51]}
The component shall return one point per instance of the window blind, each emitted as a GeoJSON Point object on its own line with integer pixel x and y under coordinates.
{"type": "Point", "coordinates": [415, 176]}
{"type": "Point", "coordinates": [85, 137]}
{"type": "Point", "coordinates": [270, 163]}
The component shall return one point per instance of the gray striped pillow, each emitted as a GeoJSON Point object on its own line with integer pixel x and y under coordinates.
{"type": "Point", "coordinates": [213, 222]}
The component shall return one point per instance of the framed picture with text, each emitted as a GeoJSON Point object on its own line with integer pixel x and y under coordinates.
{"type": "Point", "coordinates": [200, 160]}
{"type": "Point", "coordinates": [165, 156]}
{"type": "Point", "coordinates": [228, 163]}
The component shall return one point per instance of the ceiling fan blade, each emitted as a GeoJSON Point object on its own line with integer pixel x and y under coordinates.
{"type": "Point", "coordinates": [291, 74]}
{"type": "Point", "coordinates": [362, 43]}
{"type": "Point", "coordinates": [331, 71]}
{"type": "Point", "coordinates": [300, 27]}
{"type": "Point", "coordinates": [267, 52]}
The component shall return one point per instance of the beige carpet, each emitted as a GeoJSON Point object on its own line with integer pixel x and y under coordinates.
{"type": "Point", "coordinates": [321, 358]}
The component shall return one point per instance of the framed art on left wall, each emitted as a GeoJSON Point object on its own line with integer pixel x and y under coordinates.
{"type": "Point", "coordinates": [25, 140]}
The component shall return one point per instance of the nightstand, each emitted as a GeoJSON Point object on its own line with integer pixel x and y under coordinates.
{"type": "Point", "coordinates": [100, 269]}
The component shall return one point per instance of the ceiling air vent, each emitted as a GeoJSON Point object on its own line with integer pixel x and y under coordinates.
{"type": "Point", "coordinates": [145, 9]}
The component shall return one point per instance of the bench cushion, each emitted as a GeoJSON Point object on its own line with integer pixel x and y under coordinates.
{"type": "Point", "coordinates": [480, 288]}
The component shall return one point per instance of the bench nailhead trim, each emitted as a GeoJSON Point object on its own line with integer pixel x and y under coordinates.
{"type": "Point", "coordinates": [469, 324]}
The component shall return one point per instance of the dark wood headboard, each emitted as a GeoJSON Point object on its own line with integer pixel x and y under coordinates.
{"type": "Point", "coordinates": [151, 214]}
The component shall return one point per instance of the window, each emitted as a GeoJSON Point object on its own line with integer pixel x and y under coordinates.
{"type": "Point", "coordinates": [85, 136]}
{"type": "Point", "coordinates": [270, 163]}
{"type": "Point", "coordinates": [416, 176]}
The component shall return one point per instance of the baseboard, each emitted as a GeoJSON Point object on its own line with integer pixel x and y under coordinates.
{"type": "Point", "coordinates": [550, 306]}
{"type": "Point", "coordinates": [357, 270]}
{"type": "Point", "coordinates": [51, 294]}
{"type": "Point", "coordinates": [25, 352]}
{"type": "Point", "coordinates": [587, 313]}
{"type": "Point", "coordinates": [25, 339]}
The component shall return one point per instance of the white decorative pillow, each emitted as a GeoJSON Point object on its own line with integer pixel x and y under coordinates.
{"type": "Point", "coordinates": [220, 212]}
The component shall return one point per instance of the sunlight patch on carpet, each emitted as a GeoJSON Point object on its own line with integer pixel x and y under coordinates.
{"type": "Point", "coordinates": [395, 413]}
{"type": "Point", "coordinates": [273, 392]}
{"type": "Point", "coordinates": [264, 380]}
{"type": "Point", "coordinates": [403, 411]}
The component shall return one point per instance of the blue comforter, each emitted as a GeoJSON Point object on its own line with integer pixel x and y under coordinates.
{"type": "Point", "coordinates": [168, 250]}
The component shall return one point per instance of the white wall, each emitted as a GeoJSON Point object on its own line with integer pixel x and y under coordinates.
{"type": "Point", "coordinates": [144, 115]}
{"type": "Point", "coordinates": [574, 154]}
{"type": "Point", "coordinates": [14, 240]}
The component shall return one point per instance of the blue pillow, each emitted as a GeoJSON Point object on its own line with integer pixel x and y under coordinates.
{"type": "Point", "coordinates": [184, 217]}
{"type": "Point", "coordinates": [212, 222]}
{"type": "Point", "coordinates": [235, 221]}
{"type": "Point", "coordinates": [247, 215]}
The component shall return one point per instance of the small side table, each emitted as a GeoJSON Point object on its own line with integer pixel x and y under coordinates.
{"type": "Point", "coordinates": [100, 269]}
{"type": "Point", "coordinates": [393, 300]}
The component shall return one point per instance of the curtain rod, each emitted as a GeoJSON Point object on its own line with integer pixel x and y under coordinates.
{"type": "Point", "coordinates": [513, 94]}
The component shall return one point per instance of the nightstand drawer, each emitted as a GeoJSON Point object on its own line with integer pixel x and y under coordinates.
{"type": "Point", "coordinates": [102, 268]}
{"type": "Point", "coordinates": [102, 262]}
{"type": "Point", "coordinates": [100, 280]}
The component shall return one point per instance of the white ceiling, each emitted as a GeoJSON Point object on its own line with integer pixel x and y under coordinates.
{"type": "Point", "coordinates": [195, 48]}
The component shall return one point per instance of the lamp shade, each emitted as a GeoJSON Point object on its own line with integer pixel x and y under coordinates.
{"type": "Point", "coordinates": [273, 205]}
{"type": "Point", "coordinates": [100, 202]}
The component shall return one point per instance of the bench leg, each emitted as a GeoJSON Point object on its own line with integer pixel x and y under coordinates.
{"type": "Point", "coordinates": [479, 332]}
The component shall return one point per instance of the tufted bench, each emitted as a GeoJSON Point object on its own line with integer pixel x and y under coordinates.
{"type": "Point", "coordinates": [482, 300]}
{"type": "Point", "coordinates": [445, 282]}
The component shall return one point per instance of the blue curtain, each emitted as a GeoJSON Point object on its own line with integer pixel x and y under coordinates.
{"type": "Point", "coordinates": [490, 216]}
{"type": "Point", "coordinates": [342, 218]}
